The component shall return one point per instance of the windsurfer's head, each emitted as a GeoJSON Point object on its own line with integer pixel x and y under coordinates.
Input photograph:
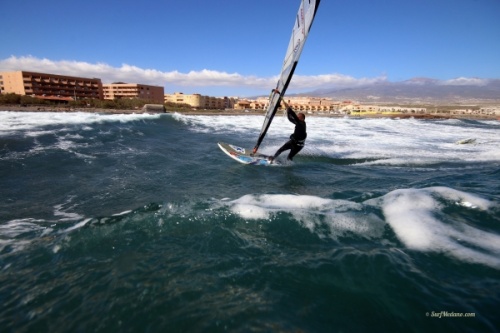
{"type": "Point", "coordinates": [301, 116]}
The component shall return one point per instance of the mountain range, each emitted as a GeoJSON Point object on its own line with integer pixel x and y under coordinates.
{"type": "Point", "coordinates": [419, 91]}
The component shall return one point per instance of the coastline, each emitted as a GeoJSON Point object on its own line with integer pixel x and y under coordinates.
{"type": "Point", "coordinates": [431, 116]}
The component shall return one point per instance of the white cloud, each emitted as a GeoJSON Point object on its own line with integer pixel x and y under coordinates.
{"type": "Point", "coordinates": [203, 78]}
{"type": "Point", "coordinates": [333, 81]}
{"type": "Point", "coordinates": [465, 81]}
{"type": "Point", "coordinates": [198, 79]}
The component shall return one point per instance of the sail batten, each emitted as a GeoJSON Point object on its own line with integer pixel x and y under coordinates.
{"type": "Point", "coordinates": [305, 17]}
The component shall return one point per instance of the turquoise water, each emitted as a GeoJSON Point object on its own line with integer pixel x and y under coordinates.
{"type": "Point", "coordinates": [139, 223]}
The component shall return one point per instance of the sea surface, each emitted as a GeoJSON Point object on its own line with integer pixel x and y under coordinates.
{"type": "Point", "coordinates": [140, 223]}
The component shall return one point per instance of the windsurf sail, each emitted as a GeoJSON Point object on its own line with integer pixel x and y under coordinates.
{"type": "Point", "coordinates": [301, 28]}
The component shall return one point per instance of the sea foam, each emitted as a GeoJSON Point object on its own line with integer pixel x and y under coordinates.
{"type": "Point", "coordinates": [417, 218]}
{"type": "Point", "coordinates": [31, 123]}
{"type": "Point", "coordinates": [340, 217]}
{"type": "Point", "coordinates": [382, 141]}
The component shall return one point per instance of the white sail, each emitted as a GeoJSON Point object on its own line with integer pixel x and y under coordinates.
{"type": "Point", "coordinates": [303, 23]}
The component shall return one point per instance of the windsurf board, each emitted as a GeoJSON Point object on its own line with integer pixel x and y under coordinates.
{"type": "Point", "coordinates": [244, 155]}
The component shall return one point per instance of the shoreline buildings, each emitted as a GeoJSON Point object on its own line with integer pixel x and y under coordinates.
{"type": "Point", "coordinates": [51, 87]}
{"type": "Point", "coordinates": [118, 90]}
{"type": "Point", "coordinates": [198, 101]}
{"type": "Point", "coordinates": [329, 106]}
{"type": "Point", "coordinates": [64, 89]}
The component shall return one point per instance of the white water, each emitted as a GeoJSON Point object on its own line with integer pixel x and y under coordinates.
{"type": "Point", "coordinates": [416, 216]}
{"type": "Point", "coordinates": [32, 123]}
{"type": "Point", "coordinates": [389, 141]}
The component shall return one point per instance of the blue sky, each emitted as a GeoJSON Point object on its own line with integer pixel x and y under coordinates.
{"type": "Point", "coordinates": [236, 48]}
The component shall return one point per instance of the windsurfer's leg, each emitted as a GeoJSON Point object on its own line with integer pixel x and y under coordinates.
{"type": "Point", "coordinates": [286, 146]}
{"type": "Point", "coordinates": [294, 151]}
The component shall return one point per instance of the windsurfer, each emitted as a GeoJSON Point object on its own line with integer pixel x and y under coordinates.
{"type": "Point", "coordinates": [298, 138]}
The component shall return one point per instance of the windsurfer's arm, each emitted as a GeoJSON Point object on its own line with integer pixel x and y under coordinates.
{"type": "Point", "coordinates": [285, 103]}
{"type": "Point", "coordinates": [292, 116]}
{"type": "Point", "coordinates": [282, 99]}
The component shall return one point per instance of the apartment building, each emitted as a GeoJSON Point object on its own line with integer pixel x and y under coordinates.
{"type": "Point", "coordinates": [314, 104]}
{"type": "Point", "coordinates": [50, 86]}
{"type": "Point", "coordinates": [197, 101]}
{"type": "Point", "coordinates": [118, 90]}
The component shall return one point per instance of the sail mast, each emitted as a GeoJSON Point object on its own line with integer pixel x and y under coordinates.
{"type": "Point", "coordinates": [300, 31]}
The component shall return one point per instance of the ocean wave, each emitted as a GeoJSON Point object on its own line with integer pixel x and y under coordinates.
{"type": "Point", "coordinates": [418, 217]}
{"type": "Point", "coordinates": [33, 123]}
{"type": "Point", "coordinates": [420, 221]}
{"type": "Point", "coordinates": [339, 216]}
{"type": "Point", "coordinates": [437, 220]}
{"type": "Point", "coordinates": [388, 141]}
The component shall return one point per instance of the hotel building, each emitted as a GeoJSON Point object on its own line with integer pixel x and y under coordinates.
{"type": "Point", "coordinates": [299, 104]}
{"type": "Point", "coordinates": [197, 101]}
{"type": "Point", "coordinates": [152, 94]}
{"type": "Point", "coordinates": [50, 86]}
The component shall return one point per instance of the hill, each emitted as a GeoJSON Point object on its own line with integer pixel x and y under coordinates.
{"type": "Point", "coordinates": [420, 91]}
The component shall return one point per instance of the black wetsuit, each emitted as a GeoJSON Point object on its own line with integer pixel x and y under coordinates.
{"type": "Point", "coordinates": [297, 139]}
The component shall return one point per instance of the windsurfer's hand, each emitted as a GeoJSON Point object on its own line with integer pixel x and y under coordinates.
{"type": "Point", "coordinates": [276, 91]}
